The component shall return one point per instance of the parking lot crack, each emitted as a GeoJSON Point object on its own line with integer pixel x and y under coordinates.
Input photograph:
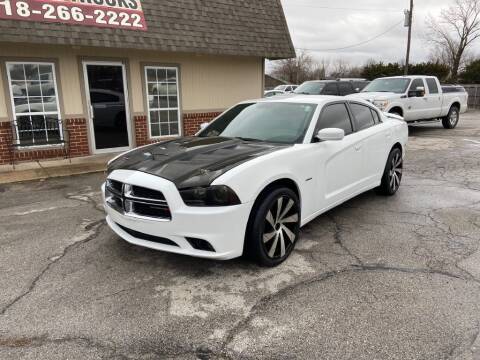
{"type": "Point", "coordinates": [263, 302]}
{"type": "Point", "coordinates": [338, 240]}
{"type": "Point", "coordinates": [86, 197]}
{"type": "Point", "coordinates": [91, 230]}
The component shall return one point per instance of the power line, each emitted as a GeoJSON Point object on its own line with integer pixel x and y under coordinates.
{"type": "Point", "coordinates": [340, 8]}
{"type": "Point", "coordinates": [355, 45]}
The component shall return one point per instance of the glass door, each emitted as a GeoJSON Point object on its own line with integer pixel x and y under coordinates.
{"type": "Point", "coordinates": [107, 105]}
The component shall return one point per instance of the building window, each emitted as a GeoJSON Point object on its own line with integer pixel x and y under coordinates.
{"type": "Point", "coordinates": [34, 95]}
{"type": "Point", "coordinates": [163, 101]}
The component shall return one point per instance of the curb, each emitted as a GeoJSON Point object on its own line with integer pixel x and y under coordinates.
{"type": "Point", "coordinates": [50, 172]}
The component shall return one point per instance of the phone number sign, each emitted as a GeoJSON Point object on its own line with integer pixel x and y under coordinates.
{"type": "Point", "coordinates": [120, 14]}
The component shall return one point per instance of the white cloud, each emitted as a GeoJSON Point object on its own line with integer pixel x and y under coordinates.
{"type": "Point", "coordinates": [348, 22]}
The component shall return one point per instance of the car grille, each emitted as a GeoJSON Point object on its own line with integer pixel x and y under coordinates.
{"type": "Point", "coordinates": [136, 201]}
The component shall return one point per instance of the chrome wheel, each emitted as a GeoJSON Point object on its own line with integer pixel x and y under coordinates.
{"type": "Point", "coordinates": [454, 117]}
{"type": "Point", "coordinates": [396, 171]}
{"type": "Point", "coordinates": [281, 227]}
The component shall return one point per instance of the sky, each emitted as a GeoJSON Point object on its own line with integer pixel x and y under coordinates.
{"type": "Point", "coordinates": [326, 24]}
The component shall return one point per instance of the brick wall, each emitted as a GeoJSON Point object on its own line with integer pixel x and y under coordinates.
{"type": "Point", "coordinates": [191, 125]}
{"type": "Point", "coordinates": [192, 121]}
{"type": "Point", "coordinates": [77, 129]}
{"type": "Point", "coordinates": [141, 130]}
{"type": "Point", "coordinates": [5, 141]}
{"type": "Point", "coordinates": [78, 132]}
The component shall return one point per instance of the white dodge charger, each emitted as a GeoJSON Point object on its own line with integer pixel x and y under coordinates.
{"type": "Point", "coordinates": [247, 182]}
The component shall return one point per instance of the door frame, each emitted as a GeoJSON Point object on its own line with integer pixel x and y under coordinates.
{"type": "Point", "coordinates": [91, 127]}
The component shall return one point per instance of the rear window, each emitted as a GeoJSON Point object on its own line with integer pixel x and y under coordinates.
{"type": "Point", "coordinates": [376, 117]}
{"type": "Point", "coordinates": [432, 85]}
{"type": "Point", "coordinates": [363, 116]}
{"type": "Point", "coordinates": [335, 116]}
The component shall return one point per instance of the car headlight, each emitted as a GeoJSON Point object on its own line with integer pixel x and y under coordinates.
{"type": "Point", "coordinates": [210, 196]}
{"type": "Point", "coordinates": [381, 104]}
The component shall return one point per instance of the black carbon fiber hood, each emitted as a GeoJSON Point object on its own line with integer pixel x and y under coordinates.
{"type": "Point", "coordinates": [193, 161]}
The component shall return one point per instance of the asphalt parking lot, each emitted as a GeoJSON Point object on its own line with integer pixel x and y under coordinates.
{"type": "Point", "coordinates": [377, 278]}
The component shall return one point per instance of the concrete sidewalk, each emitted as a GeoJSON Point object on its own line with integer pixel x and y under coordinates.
{"type": "Point", "coordinates": [53, 168]}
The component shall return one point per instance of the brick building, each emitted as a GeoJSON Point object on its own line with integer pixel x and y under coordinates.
{"type": "Point", "coordinates": [124, 73]}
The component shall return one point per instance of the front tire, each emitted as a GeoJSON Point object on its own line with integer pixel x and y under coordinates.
{"type": "Point", "coordinates": [451, 120]}
{"type": "Point", "coordinates": [392, 176]}
{"type": "Point", "coordinates": [274, 227]}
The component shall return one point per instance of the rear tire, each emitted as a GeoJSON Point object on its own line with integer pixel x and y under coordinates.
{"type": "Point", "coordinates": [392, 176]}
{"type": "Point", "coordinates": [273, 227]}
{"type": "Point", "coordinates": [451, 120]}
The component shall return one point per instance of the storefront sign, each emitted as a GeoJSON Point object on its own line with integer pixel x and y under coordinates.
{"type": "Point", "coordinates": [120, 14]}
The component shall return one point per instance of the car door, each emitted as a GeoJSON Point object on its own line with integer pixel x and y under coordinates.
{"type": "Point", "coordinates": [375, 138]}
{"type": "Point", "coordinates": [340, 162]}
{"type": "Point", "coordinates": [434, 99]}
{"type": "Point", "coordinates": [416, 106]}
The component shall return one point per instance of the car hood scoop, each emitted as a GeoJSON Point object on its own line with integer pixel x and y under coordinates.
{"type": "Point", "coordinates": [193, 161]}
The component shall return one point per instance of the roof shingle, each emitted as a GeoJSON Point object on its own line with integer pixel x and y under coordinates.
{"type": "Point", "coordinates": [227, 27]}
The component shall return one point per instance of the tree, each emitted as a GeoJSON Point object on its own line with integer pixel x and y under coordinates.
{"type": "Point", "coordinates": [296, 70]}
{"type": "Point", "coordinates": [374, 70]}
{"type": "Point", "coordinates": [454, 32]}
{"type": "Point", "coordinates": [471, 73]}
{"type": "Point", "coordinates": [343, 69]}
{"type": "Point", "coordinates": [437, 69]}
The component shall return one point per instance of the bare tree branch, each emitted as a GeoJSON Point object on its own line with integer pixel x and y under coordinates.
{"type": "Point", "coordinates": [456, 29]}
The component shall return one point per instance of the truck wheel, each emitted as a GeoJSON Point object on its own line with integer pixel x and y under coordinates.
{"type": "Point", "coordinates": [451, 120]}
{"type": "Point", "coordinates": [395, 112]}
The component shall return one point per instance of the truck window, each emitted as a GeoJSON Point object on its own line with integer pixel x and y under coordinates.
{"type": "Point", "coordinates": [345, 88]}
{"type": "Point", "coordinates": [432, 86]}
{"type": "Point", "coordinates": [330, 89]}
{"type": "Point", "coordinates": [417, 83]}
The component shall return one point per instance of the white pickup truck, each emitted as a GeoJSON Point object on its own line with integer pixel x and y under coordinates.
{"type": "Point", "coordinates": [417, 98]}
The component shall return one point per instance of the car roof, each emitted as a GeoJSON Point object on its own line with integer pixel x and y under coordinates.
{"type": "Point", "coordinates": [320, 81]}
{"type": "Point", "coordinates": [308, 99]}
{"type": "Point", "coordinates": [407, 77]}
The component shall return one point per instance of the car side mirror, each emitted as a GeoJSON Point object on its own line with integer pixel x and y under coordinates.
{"type": "Point", "coordinates": [203, 126]}
{"type": "Point", "coordinates": [330, 134]}
{"type": "Point", "coordinates": [357, 90]}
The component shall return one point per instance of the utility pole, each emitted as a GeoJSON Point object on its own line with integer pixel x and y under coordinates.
{"type": "Point", "coordinates": [408, 23]}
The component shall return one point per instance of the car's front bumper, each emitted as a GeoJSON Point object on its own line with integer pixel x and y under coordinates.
{"type": "Point", "coordinates": [222, 227]}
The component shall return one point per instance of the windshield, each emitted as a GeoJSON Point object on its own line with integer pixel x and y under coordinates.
{"type": "Point", "coordinates": [270, 121]}
{"type": "Point", "coordinates": [310, 88]}
{"type": "Point", "coordinates": [281, 87]}
{"type": "Point", "coordinates": [398, 86]}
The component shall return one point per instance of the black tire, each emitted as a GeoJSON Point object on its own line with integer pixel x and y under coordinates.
{"type": "Point", "coordinates": [392, 175]}
{"type": "Point", "coordinates": [268, 228]}
{"type": "Point", "coordinates": [451, 120]}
